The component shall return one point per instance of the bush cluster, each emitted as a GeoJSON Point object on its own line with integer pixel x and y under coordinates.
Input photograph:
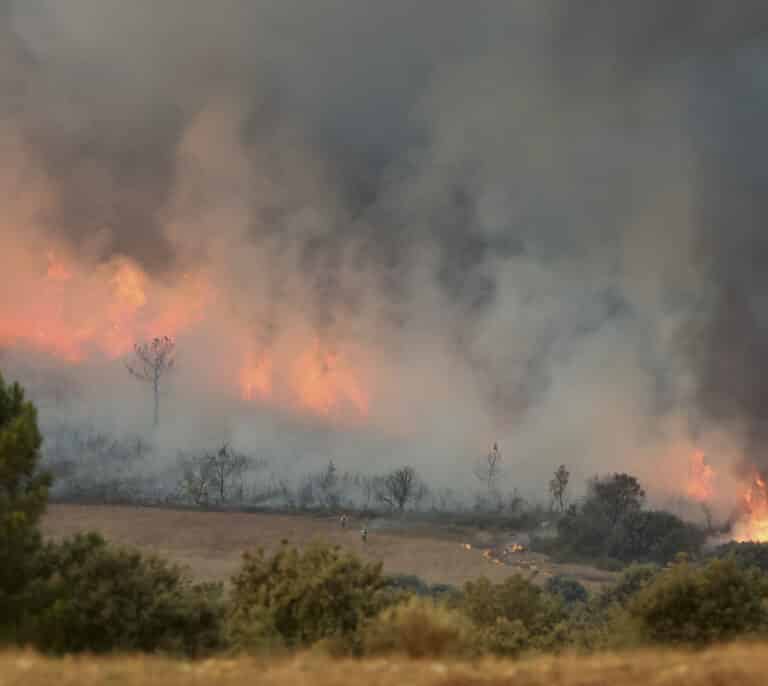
{"type": "Point", "coordinates": [294, 599]}
{"type": "Point", "coordinates": [82, 594]}
{"type": "Point", "coordinates": [93, 597]}
{"type": "Point", "coordinates": [611, 525]}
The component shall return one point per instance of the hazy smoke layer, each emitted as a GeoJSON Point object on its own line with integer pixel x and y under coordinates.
{"type": "Point", "coordinates": [540, 221]}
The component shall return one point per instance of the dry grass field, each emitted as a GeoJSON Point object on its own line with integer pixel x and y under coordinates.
{"type": "Point", "coordinates": [211, 543]}
{"type": "Point", "coordinates": [737, 665]}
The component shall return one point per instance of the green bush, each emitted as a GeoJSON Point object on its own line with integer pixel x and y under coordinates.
{"type": "Point", "coordinates": [689, 605]}
{"type": "Point", "coordinates": [294, 599]}
{"type": "Point", "coordinates": [610, 525]}
{"type": "Point", "coordinates": [583, 531]}
{"type": "Point", "coordinates": [23, 497]}
{"type": "Point", "coordinates": [415, 585]}
{"type": "Point", "coordinates": [512, 616]}
{"type": "Point", "coordinates": [745, 554]}
{"type": "Point", "coordinates": [569, 590]}
{"type": "Point", "coordinates": [419, 628]}
{"type": "Point", "coordinates": [633, 579]}
{"type": "Point", "coordinates": [609, 564]}
{"type": "Point", "coordinates": [97, 598]}
{"type": "Point", "coordinates": [653, 536]}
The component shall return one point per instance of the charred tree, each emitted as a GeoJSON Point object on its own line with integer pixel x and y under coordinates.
{"type": "Point", "coordinates": [152, 361]}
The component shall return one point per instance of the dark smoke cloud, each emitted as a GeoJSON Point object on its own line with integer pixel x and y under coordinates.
{"type": "Point", "coordinates": [556, 189]}
{"type": "Point", "coordinates": [732, 341]}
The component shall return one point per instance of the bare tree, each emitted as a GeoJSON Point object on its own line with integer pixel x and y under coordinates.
{"type": "Point", "coordinates": [218, 475]}
{"type": "Point", "coordinates": [370, 490]}
{"type": "Point", "coordinates": [398, 487]}
{"type": "Point", "coordinates": [488, 468]}
{"type": "Point", "coordinates": [197, 479]}
{"type": "Point", "coordinates": [708, 519]}
{"type": "Point", "coordinates": [558, 487]}
{"type": "Point", "coordinates": [152, 361]}
{"type": "Point", "coordinates": [420, 494]}
{"type": "Point", "coordinates": [228, 469]}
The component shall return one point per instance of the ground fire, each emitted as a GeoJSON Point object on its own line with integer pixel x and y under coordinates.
{"type": "Point", "coordinates": [753, 526]}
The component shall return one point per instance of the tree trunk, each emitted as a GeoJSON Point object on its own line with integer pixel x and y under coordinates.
{"type": "Point", "coordinates": [156, 388]}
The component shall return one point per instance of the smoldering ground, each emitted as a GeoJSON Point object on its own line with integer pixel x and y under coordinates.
{"type": "Point", "coordinates": [541, 222]}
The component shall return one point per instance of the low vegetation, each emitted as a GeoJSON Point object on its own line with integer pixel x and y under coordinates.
{"type": "Point", "coordinates": [743, 664]}
{"type": "Point", "coordinates": [89, 596]}
{"type": "Point", "coordinates": [611, 524]}
{"type": "Point", "coordinates": [86, 595]}
{"type": "Point", "coordinates": [295, 599]}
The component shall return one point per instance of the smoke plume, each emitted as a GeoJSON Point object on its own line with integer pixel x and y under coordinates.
{"type": "Point", "coordinates": [534, 222]}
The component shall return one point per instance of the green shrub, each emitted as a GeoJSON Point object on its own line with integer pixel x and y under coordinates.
{"type": "Point", "coordinates": [412, 584]}
{"type": "Point", "coordinates": [23, 497]}
{"type": "Point", "coordinates": [97, 598]}
{"type": "Point", "coordinates": [688, 605]}
{"type": "Point", "coordinates": [583, 532]}
{"type": "Point", "coordinates": [609, 564]}
{"type": "Point", "coordinates": [569, 590]}
{"type": "Point", "coordinates": [633, 579]}
{"type": "Point", "coordinates": [749, 554]}
{"type": "Point", "coordinates": [419, 628]}
{"type": "Point", "coordinates": [294, 599]}
{"type": "Point", "coordinates": [611, 527]}
{"type": "Point", "coordinates": [512, 616]}
{"type": "Point", "coordinates": [653, 536]}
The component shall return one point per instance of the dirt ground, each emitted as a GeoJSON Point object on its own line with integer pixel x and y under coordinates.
{"type": "Point", "coordinates": [211, 543]}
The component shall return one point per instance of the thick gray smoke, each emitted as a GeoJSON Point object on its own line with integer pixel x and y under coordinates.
{"type": "Point", "coordinates": [546, 215]}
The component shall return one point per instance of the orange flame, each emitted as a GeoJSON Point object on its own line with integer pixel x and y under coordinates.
{"type": "Point", "coordinates": [256, 380]}
{"type": "Point", "coordinates": [754, 525]}
{"type": "Point", "coordinates": [77, 311]}
{"type": "Point", "coordinates": [325, 384]}
{"type": "Point", "coordinates": [317, 381]}
{"type": "Point", "coordinates": [700, 476]}
{"type": "Point", "coordinates": [57, 270]}
{"type": "Point", "coordinates": [74, 312]}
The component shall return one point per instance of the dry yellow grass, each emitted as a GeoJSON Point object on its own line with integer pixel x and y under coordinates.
{"type": "Point", "coordinates": [737, 665]}
{"type": "Point", "coordinates": [211, 543]}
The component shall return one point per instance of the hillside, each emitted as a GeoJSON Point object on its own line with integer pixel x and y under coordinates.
{"type": "Point", "coordinates": [211, 543]}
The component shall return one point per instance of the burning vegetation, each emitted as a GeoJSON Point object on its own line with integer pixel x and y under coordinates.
{"type": "Point", "coordinates": [80, 313]}
{"type": "Point", "coordinates": [753, 525]}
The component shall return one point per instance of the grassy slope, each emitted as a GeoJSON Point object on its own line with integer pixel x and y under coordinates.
{"type": "Point", "coordinates": [211, 543]}
{"type": "Point", "coordinates": [740, 665]}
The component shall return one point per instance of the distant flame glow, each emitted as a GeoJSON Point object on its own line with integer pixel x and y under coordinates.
{"type": "Point", "coordinates": [700, 475]}
{"type": "Point", "coordinates": [77, 311]}
{"type": "Point", "coordinates": [754, 525]}
{"type": "Point", "coordinates": [315, 380]}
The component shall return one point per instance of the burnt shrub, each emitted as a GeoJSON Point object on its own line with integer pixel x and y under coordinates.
{"type": "Point", "coordinates": [90, 596]}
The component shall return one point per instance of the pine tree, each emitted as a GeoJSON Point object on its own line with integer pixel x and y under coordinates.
{"type": "Point", "coordinates": [23, 497]}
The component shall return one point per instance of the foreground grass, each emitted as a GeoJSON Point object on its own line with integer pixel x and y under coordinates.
{"type": "Point", "coordinates": [742, 665]}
